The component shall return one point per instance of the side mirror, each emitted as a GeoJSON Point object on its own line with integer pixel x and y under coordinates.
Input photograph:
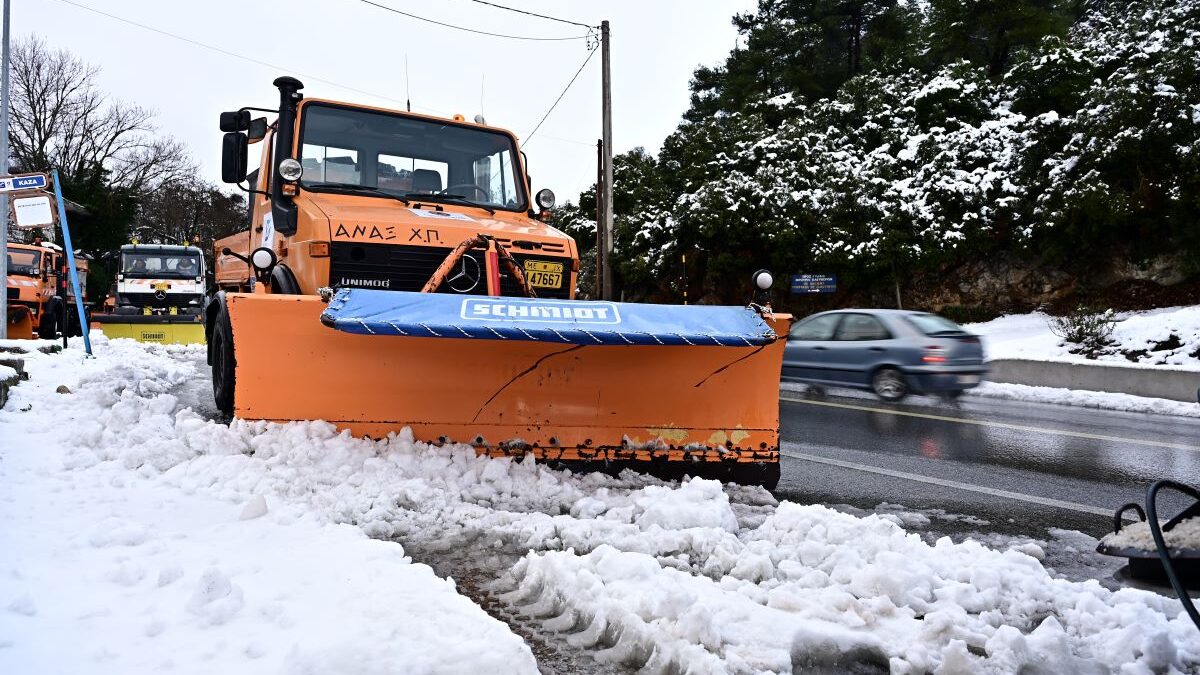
{"type": "Point", "coordinates": [233, 157]}
{"type": "Point", "coordinates": [238, 120]}
{"type": "Point", "coordinates": [257, 130]}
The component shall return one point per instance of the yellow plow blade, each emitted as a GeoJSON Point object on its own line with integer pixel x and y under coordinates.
{"type": "Point", "coordinates": [172, 333]}
{"type": "Point", "coordinates": [685, 409]}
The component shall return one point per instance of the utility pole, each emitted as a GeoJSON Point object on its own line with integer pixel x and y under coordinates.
{"type": "Point", "coordinates": [597, 289]}
{"type": "Point", "coordinates": [606, 102]}
{"type": "Point", "coordinates": [4, 196]}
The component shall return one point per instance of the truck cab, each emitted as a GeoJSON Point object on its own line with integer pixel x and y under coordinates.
{"type": "Point", "coordinates": [158, 280]}
{"type": "Point", "coordinates": [352, 196]}
{"type": "Point", "coordinates": [38, 288]}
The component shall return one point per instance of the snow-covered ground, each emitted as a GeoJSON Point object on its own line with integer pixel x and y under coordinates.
{"type": "Point", "coordinates": [1028, 336]}
{"type": "Point", "coordinates": [139, 536]}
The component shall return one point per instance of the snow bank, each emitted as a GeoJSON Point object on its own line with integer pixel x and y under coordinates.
{"type": "Point", "coordinates": [1028, 336]}
{"type": "Point", "coordinates": [687, 577]}
{"type": "Point", "coordinates": [1086, 399]}
{"type": "Point", "coordinates": [102, 571]}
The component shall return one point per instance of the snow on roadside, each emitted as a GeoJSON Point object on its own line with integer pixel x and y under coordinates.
{"type": "Point", "coordinates": [1028, 336]}
{"type": "Point", "coordinates": [1086, 399]}
{"type": "Point", "coordinates": [687, 577]}
{"type": "Point", "coordinates": [102, 571]}
{"type": "Point", "coordinates": [1102, 400]}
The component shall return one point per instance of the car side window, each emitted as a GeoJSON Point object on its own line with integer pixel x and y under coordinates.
{"type": "Point", "coordinates": [861, 327]}
{"type": "Point", "coordinates": [816, 328]}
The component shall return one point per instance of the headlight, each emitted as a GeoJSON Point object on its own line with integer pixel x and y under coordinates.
{"type": "Point", "coordinates": [545, 198]}
{"type": "Point", "coordinates": [763, 279]}
{"type": "Point", "coordinates": [290, 169]}
{"type": "Point", "coordinates": [262, 258]}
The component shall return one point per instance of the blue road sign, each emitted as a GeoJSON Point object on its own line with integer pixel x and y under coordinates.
{"type": "Point", "coordinates": [34, 181]}
{"type": "Point", "coordinates": [813, 283]}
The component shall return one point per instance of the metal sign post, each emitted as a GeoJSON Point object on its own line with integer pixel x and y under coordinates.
{"type": "Point", "coordinates": [69, 252]}
{"type": "Point", "coordinates": [4, 170]}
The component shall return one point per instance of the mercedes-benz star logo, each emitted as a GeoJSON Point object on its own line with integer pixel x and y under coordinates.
{"type": "Point", "coordinates": [466, 278]}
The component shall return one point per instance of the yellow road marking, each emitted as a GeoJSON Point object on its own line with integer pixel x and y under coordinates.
{"type": "Point", "coordinates": [999, 425]}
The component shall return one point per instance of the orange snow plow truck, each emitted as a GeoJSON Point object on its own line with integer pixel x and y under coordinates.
{"type": "Point", "coordinates": [395, 274]}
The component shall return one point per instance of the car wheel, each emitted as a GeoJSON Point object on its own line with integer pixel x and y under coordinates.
{"type": "Point", "coordinates": [223, 362]}
{"type": "Point", "coordinates": [952, 395]}
{"type": "Point", "coordinates": [889, 385]}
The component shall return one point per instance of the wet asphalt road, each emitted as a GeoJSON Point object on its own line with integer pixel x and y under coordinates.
{"type": "Point", "coordinates": [1023, 467]}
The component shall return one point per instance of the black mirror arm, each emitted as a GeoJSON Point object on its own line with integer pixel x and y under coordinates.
{"type": "Point", "coordinates": [252, 191]}
{"type": "Point", "coordinates": [239, 256]}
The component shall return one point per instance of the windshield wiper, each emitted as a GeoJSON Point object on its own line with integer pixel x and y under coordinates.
{"type": "Point", "coordinates": [350, 187]}
{"type": "Point", "coordinates": [452, 199]}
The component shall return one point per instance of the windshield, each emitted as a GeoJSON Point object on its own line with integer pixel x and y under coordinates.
{"type": "Point", "coordinates": [408, 157]}
{"type": "Point", "coordinates": [160, 265]}
{"type": "Point", "coordinates": [932, 324]}
{"type": "Point", "coordinates": [24, 263]}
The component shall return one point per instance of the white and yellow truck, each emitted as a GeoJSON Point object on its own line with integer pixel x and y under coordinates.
{"type": "Point", "coordinates": [158, 295]}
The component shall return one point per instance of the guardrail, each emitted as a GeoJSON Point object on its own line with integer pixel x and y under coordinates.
{"type": "Point", "coordinates": [1169, 383]}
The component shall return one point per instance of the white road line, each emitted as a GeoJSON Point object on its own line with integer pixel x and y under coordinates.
{"type": "Point", "coordinates": [1018, 496]}
{"type": "Point", "coordinates": [999, 425]}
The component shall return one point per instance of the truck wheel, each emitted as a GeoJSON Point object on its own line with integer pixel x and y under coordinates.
{"type": "Point", "coordinates": [50, 321]}
{"type": "Point", "coordinates": [223, 361]}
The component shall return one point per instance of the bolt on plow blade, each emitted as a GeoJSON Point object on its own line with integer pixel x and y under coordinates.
{"type": "Point", "coordinates": [665, 389]}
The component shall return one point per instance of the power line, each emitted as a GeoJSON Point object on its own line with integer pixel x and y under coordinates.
{"type": "Point", "coordinates": [472, 30]}
{"type": "Point", "coordinates": [235, 55]}
{"type": "Point", "coordinates": [540, 16]}
{"type": "Point", "coordinates": [529, 136]}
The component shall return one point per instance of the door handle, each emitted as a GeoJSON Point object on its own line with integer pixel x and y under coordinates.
{"type": "Point", "coordinates": [878, 349]}
{"type": "Point", "coordinates": [820, 349]}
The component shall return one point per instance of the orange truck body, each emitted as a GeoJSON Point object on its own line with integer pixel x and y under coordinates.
{"type": "Point", "coordinates": [34, 307]}
{"type": "Point", "coordinates": [674, 410]}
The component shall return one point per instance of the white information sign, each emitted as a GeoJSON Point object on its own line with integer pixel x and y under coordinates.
{"type": "Point", "coordinates": [33, 211]}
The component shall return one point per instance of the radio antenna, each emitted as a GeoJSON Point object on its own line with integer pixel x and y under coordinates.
{"type": "Point", "coordinates": [407, 91]}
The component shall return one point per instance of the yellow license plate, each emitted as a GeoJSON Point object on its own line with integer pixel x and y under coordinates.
{"type": "Point", "coordinates": [543, 274]}
{"type": "Point", "coordinates": [162, 286]}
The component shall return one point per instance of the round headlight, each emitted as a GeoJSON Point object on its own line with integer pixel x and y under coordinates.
{"type": "Point", "coordinates": [262, 258]}
{"type": "Point", "coordinates": [290, 169]}
{"type": "Point", "coordinates": [763, 279]}
{"type": "Point", "coordinates": [545, 198]}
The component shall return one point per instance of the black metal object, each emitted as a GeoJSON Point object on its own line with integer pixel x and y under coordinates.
{"type": "Point", "coordinates": [1178, 566]}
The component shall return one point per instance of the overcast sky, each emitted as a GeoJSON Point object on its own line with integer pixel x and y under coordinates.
{"type": "Point", "coordinates": [656, 44]}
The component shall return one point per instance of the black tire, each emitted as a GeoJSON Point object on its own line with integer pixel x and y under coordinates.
{"type": "Point", "coordinates": [952, 395]}
{"type": "Point", "coordinates": [51, 321]}
{"type": "Point", "coordinates": [223, 361]}
{"type": "Point", "coordinates": [889, 384]}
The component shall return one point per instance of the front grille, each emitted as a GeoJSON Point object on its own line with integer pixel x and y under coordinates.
{"type": "Point", "coordinates": [148, 299]}
{"type": "Point", "coordinates": [407, 268]}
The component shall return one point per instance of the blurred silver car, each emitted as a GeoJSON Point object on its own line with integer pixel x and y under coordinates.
{"type": "Point", "coordinates": [891, 352]}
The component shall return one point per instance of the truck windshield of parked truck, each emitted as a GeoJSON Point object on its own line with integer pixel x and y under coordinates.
{"type": "Point", "coordinates": [344, 148]}
{"type": "Point", "coordinates": [160, 265]}
{"type": "Point", "coordinates": [25, 263]}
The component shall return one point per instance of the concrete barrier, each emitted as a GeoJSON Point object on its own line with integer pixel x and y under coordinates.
{"type": "Point", "coordinates": [1176, 385]}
